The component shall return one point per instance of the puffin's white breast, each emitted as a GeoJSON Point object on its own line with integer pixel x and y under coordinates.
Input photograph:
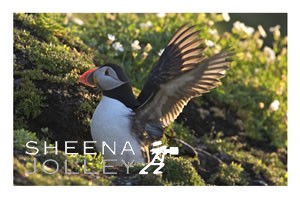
{"type": "Point", "coordinates": [111, 123]}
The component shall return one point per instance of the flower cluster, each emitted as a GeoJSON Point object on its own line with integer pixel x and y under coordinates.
{"type": "Point", "coordinates": [118, 46]}
{"type": "Point", "coordinates": [209, 43]}
{"type": "Point", "coordinates": [262, 31]}
{"type": "Point", "coordinates": [146, 25]}
{"type": "Point", "coordinates": [274, 106]}
{"type": "Point", "coordinates": [241, 28]}
{"type": "Point", "coordinates": [276, 31]}
{"type": "Point", "coordinates": [226, 17]}
{"type": "Point", "coordinates": [136, 45]}
{"type": "Point", "coordinates": [270, 53]}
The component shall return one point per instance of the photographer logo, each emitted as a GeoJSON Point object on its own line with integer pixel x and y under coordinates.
{"type": "Point", "coordinates": [159, 156]}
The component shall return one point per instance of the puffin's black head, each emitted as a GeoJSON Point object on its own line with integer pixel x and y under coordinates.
{"type": "Point", "coordinates": [111, 79]}
{"type": "Point", "coordinates": [106, 77]}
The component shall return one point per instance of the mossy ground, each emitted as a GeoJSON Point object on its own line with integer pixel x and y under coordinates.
{"type": "Point", "coordinates": [240, 138]}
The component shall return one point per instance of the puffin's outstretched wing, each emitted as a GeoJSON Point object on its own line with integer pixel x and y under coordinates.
{"type": "Point", "coordinates": [180, 74]}
{"type": "Point", "coordinates": [182, 53]}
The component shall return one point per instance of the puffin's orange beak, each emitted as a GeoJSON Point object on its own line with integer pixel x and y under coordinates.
{"type": "Point", "coordinates": [87, 78]}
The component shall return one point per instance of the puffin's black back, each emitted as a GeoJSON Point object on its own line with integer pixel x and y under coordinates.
{"type": "Point", "coordinates": [124, 92]}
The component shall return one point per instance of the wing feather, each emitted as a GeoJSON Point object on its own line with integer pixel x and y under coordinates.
{"type": "Point", "coordinates": [181, 74]}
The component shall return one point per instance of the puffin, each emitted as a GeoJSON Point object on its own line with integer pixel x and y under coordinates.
{"type": "Point", "coordinates": [128, 124]}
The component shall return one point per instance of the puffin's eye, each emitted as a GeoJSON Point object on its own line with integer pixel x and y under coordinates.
{"type": "Point", "coordinates": [106, 72]}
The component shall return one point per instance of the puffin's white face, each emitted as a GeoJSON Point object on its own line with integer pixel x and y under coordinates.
{"type": "Point", "coordinates": [104, 77]}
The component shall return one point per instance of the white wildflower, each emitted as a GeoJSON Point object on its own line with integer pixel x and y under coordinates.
{"type": "Point", "coordinates": [209, 43]}
{"type": "Point", "coordinates": [261, 105]}
{"type": "Point", "coordinates": [135, 45]}
{"type": "Point", "coordinates": [148, 24]}
{"type": "Point", "coordinates": [78, 21]}
{"type": "Point", "coordinates": [118, 46]}
{"type": "Point", "coordinates": [111, 37]}
{"type": "Point", "coordinates": [259, 42]}
{"type": "Point", "coordinates": [262, 31]}
{"type": "Point", "coordinates": [269, 53]}
{"type": "Point", "coordinates": [145, 54]}
{"type": "Point", "coordinates": [241, 27]}
{"type": "Point", "coordinates": [274, 106]}
{"type": "Point", "coordinates": [210, 23]}
{"type": "Point", "coordinates": [213, 31]}
{"type": "Point", "coordinates": [160, 52]}
{"type": "Point", "coordinates": [249, 31]}
{"type": "Point", "coordinates": [161, 15]}
{"type": "Point", "coordinates": [248, 56]}
{"type": "Point", "coordinates": [238, 25]}
{"type": "Point", "coordinates": [148, 47]}
{"type": "Point", "coordinates": [275, 30]}
{"type": "Point", "coordinates": [226, 17]}
{"type": "Point", "coordinates": [217, 48]}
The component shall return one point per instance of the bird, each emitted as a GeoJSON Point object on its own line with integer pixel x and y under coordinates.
{"type": "Point", "coordinates": [181, 73]}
